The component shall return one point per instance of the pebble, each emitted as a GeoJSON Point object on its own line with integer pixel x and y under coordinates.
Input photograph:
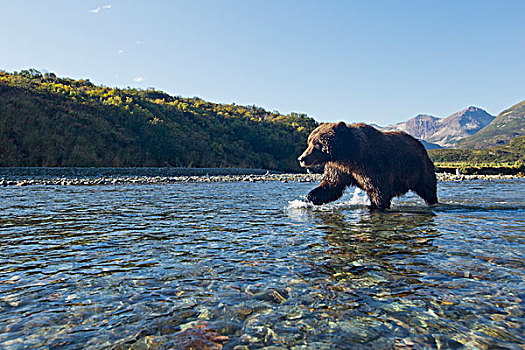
{"type": "Point", "coordinates": [284, 178]}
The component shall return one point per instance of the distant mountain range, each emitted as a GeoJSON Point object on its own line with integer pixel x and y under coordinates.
{"type": "Point", "coordinates": [470, 128]}
{"type": "Point", "coordinates": [437, 132]}
{"type": "Point", "coordinates": [508, 125]}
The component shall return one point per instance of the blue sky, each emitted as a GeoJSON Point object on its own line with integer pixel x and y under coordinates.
{"type": "Point", "coordinates": [371, 61]}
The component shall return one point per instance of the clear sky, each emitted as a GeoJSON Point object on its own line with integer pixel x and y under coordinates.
{"type": "Point", "coordinates": [371, 61]}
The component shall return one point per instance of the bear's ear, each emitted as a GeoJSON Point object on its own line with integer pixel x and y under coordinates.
{"type": "Point", "coordinates": [340, 125]}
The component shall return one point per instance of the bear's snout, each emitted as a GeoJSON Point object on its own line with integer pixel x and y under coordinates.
{"type": "Point", "coordinates": [312, 157]}
{"type": "Point", "coordinates": [301, 160]}
{"type": "Point", "coordinates": [304, 159]}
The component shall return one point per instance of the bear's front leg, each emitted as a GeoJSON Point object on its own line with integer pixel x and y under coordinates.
{"type": "Point", "coordinates": [326, 192]}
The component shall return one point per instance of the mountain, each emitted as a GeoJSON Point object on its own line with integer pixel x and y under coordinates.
{"type": "Point", "coordinates": [508, 125]}
{"type": "Point", "coordinates": [421, 126]}
{"type": "Point", "coordinates": [51, 121]}
{"type": "Point", "coordinates": [459, 125]}
{"type": "Point", "coordinates": [445, 132]}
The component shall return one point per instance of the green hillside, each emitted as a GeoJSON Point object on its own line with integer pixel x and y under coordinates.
{"type": "Point", "coordinates": [51, 121]}
{"type": "Point", "coordinates": [510, 154]}
{"type": "Point", "coordinates": [508, 124]}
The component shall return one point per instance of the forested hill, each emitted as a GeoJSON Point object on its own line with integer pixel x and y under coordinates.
{"type": "Point", "coordinates": [51, 121]}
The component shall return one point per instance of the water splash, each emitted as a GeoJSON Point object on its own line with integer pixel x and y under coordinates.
{"type": "Point", "coordinates": [299, 204]}
{"type": "Point", "coordinates": [357, 198]}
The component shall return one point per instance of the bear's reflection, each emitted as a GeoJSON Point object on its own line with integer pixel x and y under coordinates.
{"type": "Point", "coordinates": [378, 246]}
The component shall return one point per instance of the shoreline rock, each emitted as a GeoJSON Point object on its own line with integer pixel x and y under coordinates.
{"type": "Point", "coordinates": [461, 177]}
{"type": "Point", "coordinates": [213, 178]}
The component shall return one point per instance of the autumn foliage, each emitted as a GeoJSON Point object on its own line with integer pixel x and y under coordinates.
{"type": "Point", "coordinates": [50, 121]}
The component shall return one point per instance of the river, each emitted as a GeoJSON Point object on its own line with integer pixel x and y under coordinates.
{"type": "Point", "coordinates": [243, 265]}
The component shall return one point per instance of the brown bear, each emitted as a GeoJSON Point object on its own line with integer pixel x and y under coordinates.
{"type": "Point", "coordinates": [383, 164]}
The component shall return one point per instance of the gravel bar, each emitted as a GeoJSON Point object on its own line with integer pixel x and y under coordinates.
{"type": "Point", "coordinates": [215, 178]}
{"type": "Point", "coordinates": [162, 179]}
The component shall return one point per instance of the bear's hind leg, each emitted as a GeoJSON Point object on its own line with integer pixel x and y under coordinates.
{"type": "Point", "coordinates": [379, 200]}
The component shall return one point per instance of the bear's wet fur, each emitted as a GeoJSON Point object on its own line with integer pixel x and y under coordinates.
{"type": "Point", "coordinates": [383, 164]}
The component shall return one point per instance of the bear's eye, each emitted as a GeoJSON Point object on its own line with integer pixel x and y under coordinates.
{"type": "Point", "coordinates": [324, 145]}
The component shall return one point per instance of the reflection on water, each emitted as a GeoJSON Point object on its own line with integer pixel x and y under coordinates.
{"type": "Point", "coordinates": [235, 265]}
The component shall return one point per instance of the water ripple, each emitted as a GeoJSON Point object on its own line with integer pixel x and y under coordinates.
{"type": "Point", "coordinates": [249, 264]}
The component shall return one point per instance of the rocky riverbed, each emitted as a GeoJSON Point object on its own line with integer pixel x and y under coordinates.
{"type": "Point", "coordinates": [102, 180]}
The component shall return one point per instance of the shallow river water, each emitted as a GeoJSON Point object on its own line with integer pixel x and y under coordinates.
{"type": "Point", "coordinates": [249, 265]}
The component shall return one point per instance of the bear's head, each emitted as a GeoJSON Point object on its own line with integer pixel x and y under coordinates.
{"type": "Point", "coordinates": [326, 143]}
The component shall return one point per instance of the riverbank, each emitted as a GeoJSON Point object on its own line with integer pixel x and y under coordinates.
{"type": "Point", "coordinates": [106, 180]}
{"type": "Point", "coordinates": [163, 179]}
{"type": "Point", "coordinates": [462, 177]}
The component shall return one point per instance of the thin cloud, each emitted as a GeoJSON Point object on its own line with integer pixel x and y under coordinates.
{"type": "Point", "coordinates": [138, 79]}
{"type": "Point", "coordinates": [98, 9]}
